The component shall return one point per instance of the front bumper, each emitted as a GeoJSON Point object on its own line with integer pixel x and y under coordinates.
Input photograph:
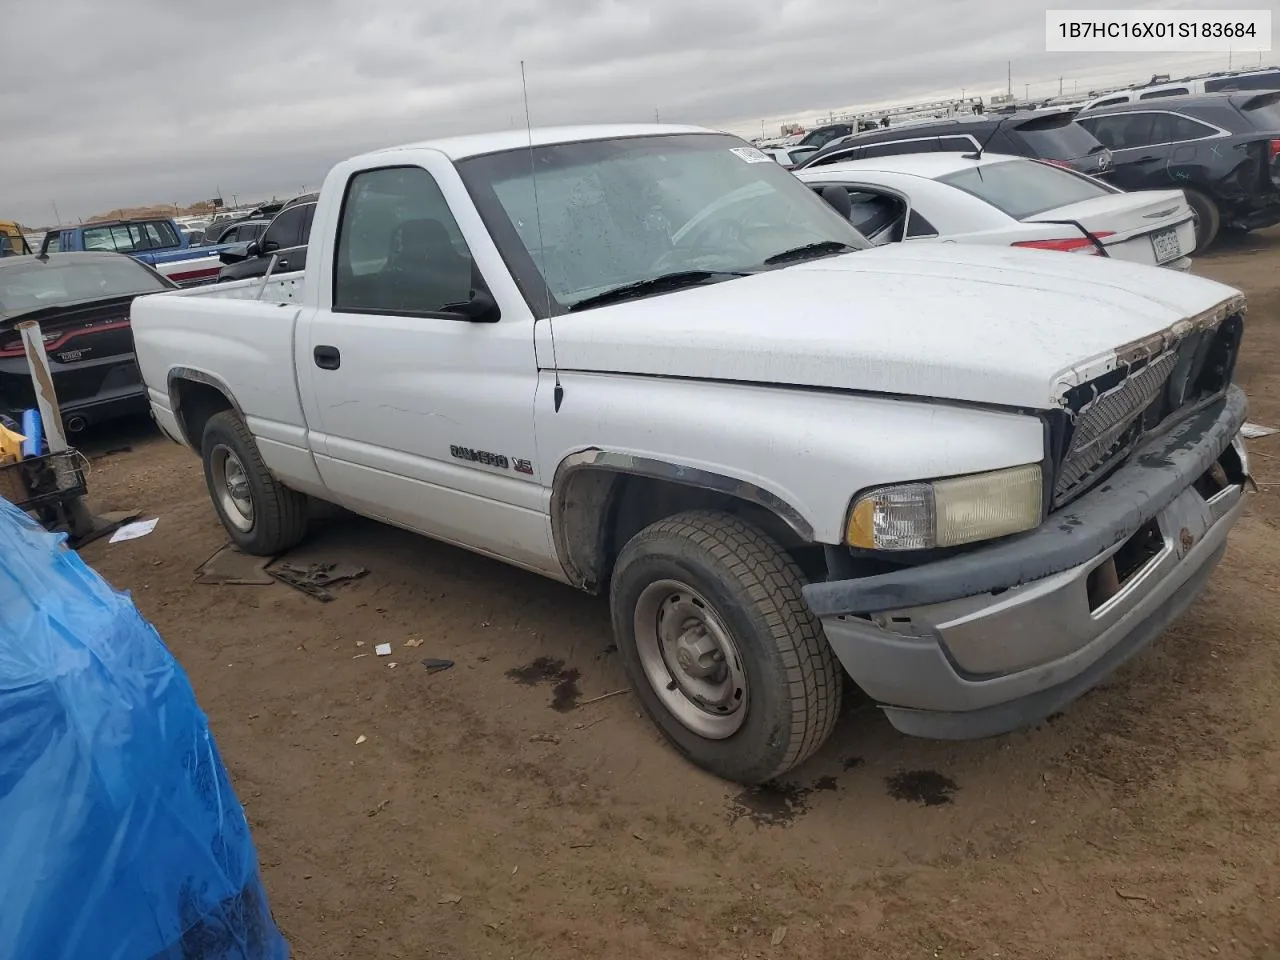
{"type": "Point", "coordinates": [999, 638]}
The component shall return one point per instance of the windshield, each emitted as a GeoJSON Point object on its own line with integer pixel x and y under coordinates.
{"type": "Point", "coordinates": [1024, 188]}
{"type": "Point", "coordinates": [1066, 142]}
{"type": "Point", "coordinates": [624, 211]}
{"type": "Point", "coordinates": [33, 284]}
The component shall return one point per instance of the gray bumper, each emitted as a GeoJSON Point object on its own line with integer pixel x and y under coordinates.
{"type": "Point", "coordinates": [999, 638]}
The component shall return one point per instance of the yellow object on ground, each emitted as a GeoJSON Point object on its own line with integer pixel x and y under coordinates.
{"type": "Point", "coordinates": [10, 445]}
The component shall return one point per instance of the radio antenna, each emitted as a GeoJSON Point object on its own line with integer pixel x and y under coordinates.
{"type": "Point", "coordinates": [542, 247]}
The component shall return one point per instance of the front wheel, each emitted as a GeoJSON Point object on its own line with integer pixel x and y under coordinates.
{"type": "Point", "coordinates": [723, 653]}
{"type": "Point", "coordinates": [262, 516]}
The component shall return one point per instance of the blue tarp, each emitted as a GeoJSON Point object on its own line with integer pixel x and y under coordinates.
{"type": "Point", "coordinates": [120, 835]}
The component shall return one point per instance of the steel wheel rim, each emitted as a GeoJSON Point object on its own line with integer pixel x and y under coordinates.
{"type": "Point", "coordinates": [690, 659]}
{"type": "Point", "coordinates": [231, 487]}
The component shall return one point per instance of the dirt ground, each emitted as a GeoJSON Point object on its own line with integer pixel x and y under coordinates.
{"type": "Point", "coordinates": [486, 812]}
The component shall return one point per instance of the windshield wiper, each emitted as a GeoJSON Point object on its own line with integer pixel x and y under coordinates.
{"type": "Point", "coordinates": [809, 251]}
{"type": "Point", "coordinates": [659, 284]}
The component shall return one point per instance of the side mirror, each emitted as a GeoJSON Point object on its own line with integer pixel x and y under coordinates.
{"type": "Point", "coordinates": [481, 308]}
{"type": "Point", "coordinates": [265, 247]}
{"type": "Point", "coordinates": [236, 253]}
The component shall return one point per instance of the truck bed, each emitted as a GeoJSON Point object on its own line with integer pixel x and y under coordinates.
{"type": "Point", "coordinates": [227, 336]}
{"type": "Point", "coordinates": [281, 288]}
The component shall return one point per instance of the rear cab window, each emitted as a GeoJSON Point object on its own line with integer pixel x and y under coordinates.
{"type": "Point", "coordinates": [1067, 142]}
{"type": "Point", "coordinates": [1024, 188]}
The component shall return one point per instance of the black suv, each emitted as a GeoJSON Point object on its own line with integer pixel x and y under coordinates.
{"type": "Point", "coordinates": [286, 237]}
{"type": "Point", "coordinates": [1222, 149]}
{"type": "Point", "coordinates": [1053, 136]}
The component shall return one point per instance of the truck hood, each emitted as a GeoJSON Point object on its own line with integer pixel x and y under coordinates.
{"type": "Point", "coordinates": [958, 322]}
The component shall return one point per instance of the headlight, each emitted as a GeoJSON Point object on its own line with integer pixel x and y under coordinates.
{"type": "Point", "coordinates": [946, 513]}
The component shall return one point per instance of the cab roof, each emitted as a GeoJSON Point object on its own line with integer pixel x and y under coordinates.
{"type": "Point", "coordinates": [479, 144]}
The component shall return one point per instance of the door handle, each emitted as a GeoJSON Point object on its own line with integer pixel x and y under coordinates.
{"type": "Point", "coordinates": [282, 264]}
{"type": "Point", "coordinates": [326, 357]}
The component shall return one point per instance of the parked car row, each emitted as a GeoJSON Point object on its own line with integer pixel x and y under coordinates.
{"type": "Point", "coordinates": [1222, 150]}
{"type": "Point", "coordinates": [975, 476]}
{"type": "Point", "coordinates": [157, 242]}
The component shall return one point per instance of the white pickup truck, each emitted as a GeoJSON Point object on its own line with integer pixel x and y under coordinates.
{"type": "Point", "coordinates": [647, 360]}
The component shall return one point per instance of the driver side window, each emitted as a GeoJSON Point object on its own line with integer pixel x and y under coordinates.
{"type": "Point", "coordinates": [400, 250]}
{"type": "Point", "coordinates": [283, 231]}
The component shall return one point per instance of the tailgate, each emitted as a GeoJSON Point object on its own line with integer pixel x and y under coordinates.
{"type": "Point", "coordinates": [1146, 226]}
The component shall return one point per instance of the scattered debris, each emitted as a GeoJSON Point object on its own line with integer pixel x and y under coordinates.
{"type": "Point", "coordinates": [392, 665]}
{"type": "Point", "coordinates": [514, 869]}
{"type": "Point", "coordinates": [1130, 895]}
{"type": "Point", "coordinates": [436, 666]}
{"type": "Point", "coordinates": [383, 649]}
{"type": "Point", "coordinates": [926, 787]}
{"type": "Point", "coordinates": [582, 845]}
{"type": "Point", "coordinates": [313, 579]}
{"type": "Point", "coordinates": [779, 935]}
{"type": "Point", "coordinates": [132, 531]}
{"type": "Point", "coordinates": [378, 809]}
{"type": "Point", "coordinates": [450, 898]}
{"type": "Point", "coordinates": [413, 642]}
{"type": "Point", "coordinates": [359, 655]}
{"type": "Point", "coordinates": [544, 738]}
{"type": "Point", "coordinates": [229, 567]}
{"type": "Point", "coordinates": [1253, 431]}
{"type": "Point", "coordinates": [589, 723]}
{"type": "Point", "coordinates": [852, 763]}
{"type": "Point", "coordinates": [603, 696]}
{"type": "Point", "coordinates": [641, 837]}
{"type": "Point", "coordinates": [361, 739]}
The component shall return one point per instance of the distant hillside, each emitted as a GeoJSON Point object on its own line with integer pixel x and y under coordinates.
{"type": "Point", "coordinates": [165, 210]}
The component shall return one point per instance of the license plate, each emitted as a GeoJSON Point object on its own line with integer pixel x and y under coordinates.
{"type": "Point", "coordinates": [1166, 245]}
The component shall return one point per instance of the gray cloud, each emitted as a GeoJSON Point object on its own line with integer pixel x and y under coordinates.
{"type": "Point", "coordinates": [139, 101]}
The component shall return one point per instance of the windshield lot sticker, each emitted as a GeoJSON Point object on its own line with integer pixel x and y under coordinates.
{"type": "Point", "coordinates": [750, 155]}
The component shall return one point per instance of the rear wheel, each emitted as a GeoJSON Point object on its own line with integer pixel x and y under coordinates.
{"type": "Point", "coordinates": [1208, 219]}
{"type": "Point", "coordinates": [724, 655]}
{"type": "Point", "coordinates": [262, 516]}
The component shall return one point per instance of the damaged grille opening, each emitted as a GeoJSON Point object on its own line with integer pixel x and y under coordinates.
{"type": "Point", "coordinates": [1110, 577]}
{"type": "Point", "coordinates": [1227, 472]}
{"type": "Point", "coordinates": [1107, 417]}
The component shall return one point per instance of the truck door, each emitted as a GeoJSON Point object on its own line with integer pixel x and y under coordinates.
{"type": "Point", "coordinates": [421, 417]}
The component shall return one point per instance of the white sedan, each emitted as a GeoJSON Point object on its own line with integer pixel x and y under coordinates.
{"type": "Point", "coordinates": [1008, 201]}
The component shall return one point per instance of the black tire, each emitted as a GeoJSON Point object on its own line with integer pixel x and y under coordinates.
{"type": "Point", "coordinates": [793, 680]}
{"type": "Point", "coordinates": [1208, 218]}
{"type": "Point", "coordinates": [278, 518]}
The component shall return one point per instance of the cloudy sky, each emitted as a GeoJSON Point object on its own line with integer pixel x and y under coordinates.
{"type": "Point", "coordinates": [109, 103]}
